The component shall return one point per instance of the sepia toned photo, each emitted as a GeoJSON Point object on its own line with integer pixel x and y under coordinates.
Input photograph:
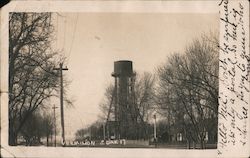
{"type": "Point", "coordinates": [114, 80]}
{"type": "Point", "coordinates": [140, 79]}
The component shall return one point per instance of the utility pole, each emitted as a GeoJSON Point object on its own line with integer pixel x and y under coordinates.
{"type": "Point", "coordinates": [155, 136]}
{"type": "Point", "coordinates": [90, 133]}
{"type": "Point", "coordinates": [54, 109]}
{"type": "Point", "coordinates": [104, 137]}
{"type": "Point", "coordinates": [61, 100]}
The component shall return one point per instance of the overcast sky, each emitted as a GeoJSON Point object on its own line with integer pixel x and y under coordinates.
{"type": "Point", "coordinates": [93, 41]}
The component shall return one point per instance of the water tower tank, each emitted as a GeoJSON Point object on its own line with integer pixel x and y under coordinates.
{"type": "Point", "coordinates": [123, 68]}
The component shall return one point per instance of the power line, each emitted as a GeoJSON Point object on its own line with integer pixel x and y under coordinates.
{"type": "Point", "coordinates": [73, 38]}
{"type": "Point", "coordinates": [65, 24]}
{"type": "Point", "coordinates": [58, 21]}
{"type": "Point", "coordinates": [57, 32]}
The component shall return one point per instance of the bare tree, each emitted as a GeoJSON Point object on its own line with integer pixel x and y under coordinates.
{"type": "Point", "coordinates": [32, 80]}
{"type": "Point", "coordinates": [48, 126]}
{"type": "Point", "coordinates": [188, 89]}
{"type": "Point", "coordinates": [144, 102]}
{"type": "Point", "coordinates": [106, 102]}
{"type": "Point", "coordinates": [144, 95]}
{"type": "Point", "coordinates": [37, 127]}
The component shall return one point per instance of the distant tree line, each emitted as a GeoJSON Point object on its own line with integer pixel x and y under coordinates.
{"type": "Point", "coordinates": [184, 93]}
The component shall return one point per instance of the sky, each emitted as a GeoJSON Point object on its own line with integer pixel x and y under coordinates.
{"type": "Point", "coordinates": [91, 42]}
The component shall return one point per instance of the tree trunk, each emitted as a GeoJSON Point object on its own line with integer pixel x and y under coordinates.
{"type": "Point", "coordinates": [47, 136]}
{"type": "Point", "coordinates": [202, 143]}
{"type": "Point", "coordinates": [194, 144]}
{"type": "Point", "coordinates": [51, 139]}
{"type": "Point", "coordinates": [188, 144]}
{"type": "Point", "coordinates": [12, 135]}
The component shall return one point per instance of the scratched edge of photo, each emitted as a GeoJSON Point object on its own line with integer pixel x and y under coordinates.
{"type": "Point", "coordinates": [1, 97]}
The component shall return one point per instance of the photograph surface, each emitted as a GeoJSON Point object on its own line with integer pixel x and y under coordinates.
{"type": "Point", "coordinates": [97, 78]}
{"type": "Point", "coordinates": [113, 79]}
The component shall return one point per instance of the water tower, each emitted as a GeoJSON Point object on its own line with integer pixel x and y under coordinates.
{"type": "Point", "coordinates": [125, 115]}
